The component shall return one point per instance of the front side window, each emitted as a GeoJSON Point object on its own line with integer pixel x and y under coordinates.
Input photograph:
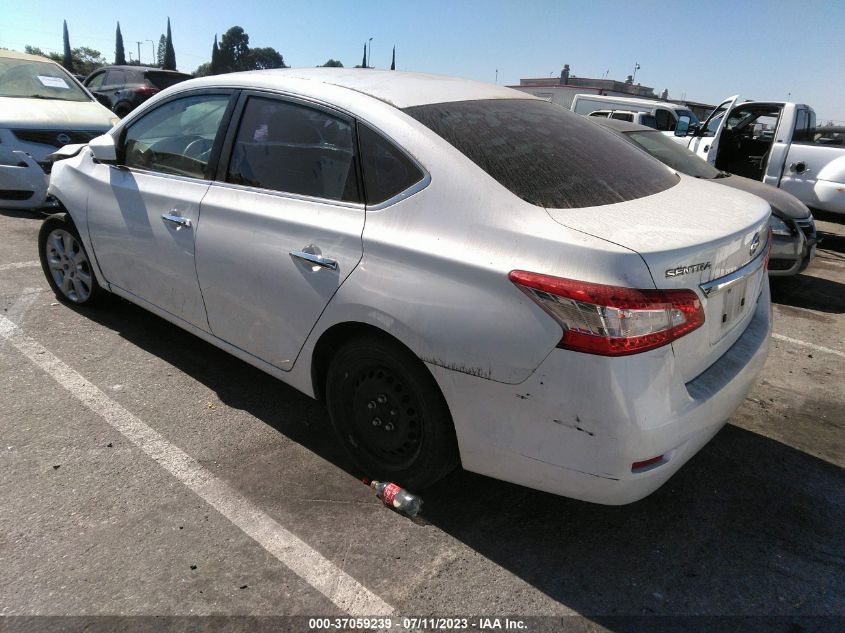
{"type": "Point", "coordinates": [544, 153]}
{"type": "Point", "coordinates": [387, 170]}
{"type": "Point", "coordinates": [176, 137]}
{"type": "Point", "coordinates": [291, 148]}
{"type": "Point", "coordinates": [96, 81]}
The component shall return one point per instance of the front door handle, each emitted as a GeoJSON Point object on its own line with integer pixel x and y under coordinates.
{"type": "Point", "coordinates": [178, 220]}
{"type": "Point", "coordinates": [317, 260]}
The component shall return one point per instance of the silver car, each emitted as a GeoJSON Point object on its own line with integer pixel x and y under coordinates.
{"type": "Point", "coordinates": [464, 273]}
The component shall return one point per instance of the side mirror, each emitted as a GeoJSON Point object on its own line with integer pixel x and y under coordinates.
{"type": "Point", "coordinates": [103, 149]}
{"type": "Point", "coordinates": [682, 127]}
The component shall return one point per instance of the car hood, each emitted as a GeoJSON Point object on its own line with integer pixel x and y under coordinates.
{"type": "Point", "coordinates": [53, 114]}
{"type": "Point", "coordinates": [783, 203]}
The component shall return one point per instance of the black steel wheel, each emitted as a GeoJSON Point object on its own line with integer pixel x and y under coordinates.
{"type": "Point", "coordinates": [389, 413]}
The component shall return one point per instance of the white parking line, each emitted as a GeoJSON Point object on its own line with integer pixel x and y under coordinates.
{"type": "Point", "coordinates": [319, 572]}
{"type": "Point", "coordinates": [818, 348]}
{"type": "Point", "coordinates": [16, 265]}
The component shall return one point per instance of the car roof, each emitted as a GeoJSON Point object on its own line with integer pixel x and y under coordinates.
{"type": "Point", "coordinates": [4, 52]}
{"type": "Point", "coordinates": [623, 126]}
{"type": "Point", "coordinates": [144, 68]}
{"type": "Point", "coordinates": [398, 88]}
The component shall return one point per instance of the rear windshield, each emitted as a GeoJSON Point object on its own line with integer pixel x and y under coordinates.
{"type": "Point", "coordinates": [546, 154]}
{"type": "Point", "coordinates": [165, 80]}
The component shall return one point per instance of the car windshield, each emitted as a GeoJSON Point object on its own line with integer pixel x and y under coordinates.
{"type": "Point", "coordinates": [544, 153]}
{"type": "Point", "coordinates": [37, 80]}
{"type": "Point", "coordinates": [673, 154]}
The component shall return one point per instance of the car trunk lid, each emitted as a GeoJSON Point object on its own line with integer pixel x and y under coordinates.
{"type": "Point", "coordinates": [696, 235]}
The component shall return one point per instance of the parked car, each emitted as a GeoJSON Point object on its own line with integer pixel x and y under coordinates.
{"type": "Point", "coordinates": [42, 108]}
{"type": "Point", "coordinates": [772, 141]}
{"type": "Point", "coordinates": [666, 115]}
{"type": "Point", "coordinates": [123, 88]}
{"type": "Point", "coordinates": [640, 118]}
{"type": "Point", "coordinates": [463, 272]}
{"type": "Point", "coordinates": [792, 224]}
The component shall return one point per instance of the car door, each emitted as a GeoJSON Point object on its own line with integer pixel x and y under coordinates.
{"type": "Point", "coordinates": [706, 144]}
{"type": "Point", "coordinates": [281, 226]}
{"type": "Point", "coordinates": [143, 213]}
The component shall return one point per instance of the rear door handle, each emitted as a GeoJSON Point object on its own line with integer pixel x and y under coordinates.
{"type": "Point", "coordinates": [178, 220]}
{"type": "Point", "coordinates": [317, 260]}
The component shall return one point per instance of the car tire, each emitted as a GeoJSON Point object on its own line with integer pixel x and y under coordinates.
{"type": "Point", "coordinates": [65, 262]}
{"type": "Point", "coordinates": [389, 413]}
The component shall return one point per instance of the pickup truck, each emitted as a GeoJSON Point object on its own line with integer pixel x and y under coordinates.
{"type": "Point", "coordinates": [771, 141]}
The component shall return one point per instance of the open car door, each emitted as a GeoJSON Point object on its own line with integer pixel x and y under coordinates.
{"type": "Point", "coordinates": [706, 144]}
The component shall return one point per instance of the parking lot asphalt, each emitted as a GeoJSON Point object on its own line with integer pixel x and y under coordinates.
{"type": "Point", "coordinates": [146, 473]}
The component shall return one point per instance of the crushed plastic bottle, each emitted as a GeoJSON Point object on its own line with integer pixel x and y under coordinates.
{"type": "Point", "coordinates": [396, 497]}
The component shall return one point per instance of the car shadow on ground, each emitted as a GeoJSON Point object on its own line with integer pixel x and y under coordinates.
{"type": "Point", "coordinates": [806, 291]}
{"type": "Point", "coordinates": [749, 526]}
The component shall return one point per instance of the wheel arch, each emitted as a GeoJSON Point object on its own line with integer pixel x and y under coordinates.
{"type": "Point", "coordinates": [333, 338]}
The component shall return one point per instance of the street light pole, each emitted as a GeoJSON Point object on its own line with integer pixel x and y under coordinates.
{"type": "Point", "coordinates": [139, 52]}
{"type": "Point", "coordinates": [370, 54]}
{"type": "Point", "coordinates": [634, 76]}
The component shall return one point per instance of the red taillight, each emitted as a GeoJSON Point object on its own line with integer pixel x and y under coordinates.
{"type": "Point", "coordinates": [611, 320]}
{"type": "Point", "coordinates": [147, 90]}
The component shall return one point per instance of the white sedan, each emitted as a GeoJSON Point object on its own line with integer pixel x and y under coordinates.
{"type": "Point", "coordinates": [464, 273]}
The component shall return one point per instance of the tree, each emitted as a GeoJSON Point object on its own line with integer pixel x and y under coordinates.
{"type": "Point", "coordinates": [333, 63]}
{"type": "Point", "coordinates": [262, 58]}
{"type": "Point", "coordinates": [119, 53]}
{"type": "Point", "coordinates": [84, 60]}
{"type": "Point", "coordinates": [364, 62]}
{"type": "Point", "coordinates": [67, 59]}
{"type": "Point", "coordinates": [204, 70]}
{"type": "Point", "coordinates": [214, 67]}
{"type": "Point", "coordinates": [162, 48]}
{"type": "Point", "coordinates": [393, 60]}
{"type": "Point", "coordinates": [234, 50]}
{"type": "Point", "coordinates": [169, 53]}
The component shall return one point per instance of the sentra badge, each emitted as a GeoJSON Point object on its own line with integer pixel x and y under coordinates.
{"type": "Point", "coordinates": [686, 270]}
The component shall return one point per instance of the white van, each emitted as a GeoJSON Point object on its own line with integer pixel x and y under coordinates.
{"type": "Point", "coordinates": [666, 114]}
{"type": "Point", "coordinates": [640, 118]}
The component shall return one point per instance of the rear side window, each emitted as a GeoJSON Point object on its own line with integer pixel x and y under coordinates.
{"type": "Point", "coordinates": [387, 170]}
{"type": "Point", "coordinates": [291, 148]}
{"type": "Point", "coordinates": [164, 80]}
{"type": "Point", "coordinates": [546, 154]}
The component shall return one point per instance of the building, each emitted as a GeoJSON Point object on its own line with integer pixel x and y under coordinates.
{"type": "Point", "coordinates": [562, 89]}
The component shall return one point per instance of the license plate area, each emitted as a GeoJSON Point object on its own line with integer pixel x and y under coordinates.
{"type": "Point", "coordinates": [730, 307]}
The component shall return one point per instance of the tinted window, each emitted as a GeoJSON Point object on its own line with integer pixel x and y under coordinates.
{"type": "Point", "coordinates": [546, 154]}
{"type": "Point", "coordinates": [96, 81]}
{"type": "Point", "coordinates": [165, 80]}
{"type": "Point", "coordinates": [115, 78]}
{"type": "Point", "coordinates": [176, 137]}
{"type": "Point", "coordinates": [665, 120]}
{"type": "Point", "coordinates": [387, 170]}
{"type": "Point", "coordinates": [648, 120]}
{"type": "Point", "coordinates": [804, 131]}
{"type": "Point", "coordinates": [622, 116]}
{"type": "Point", "coordinates": [294, 149]}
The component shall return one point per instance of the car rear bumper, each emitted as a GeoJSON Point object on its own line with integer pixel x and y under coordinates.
{"type": "Point", "coordinates": [23, 186]}
{"type": "Point", "coordinates": [580, 422]}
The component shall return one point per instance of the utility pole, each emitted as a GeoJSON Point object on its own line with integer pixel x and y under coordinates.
{"type": "Point", "coordinates": [139, 52]}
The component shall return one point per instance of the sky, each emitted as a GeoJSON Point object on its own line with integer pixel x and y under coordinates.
{"type": "Point", "coordinates": [762, 50]}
